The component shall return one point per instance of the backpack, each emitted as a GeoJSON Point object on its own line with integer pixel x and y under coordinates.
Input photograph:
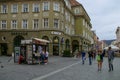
{"type": "Point", "coordinates": [98, 57]}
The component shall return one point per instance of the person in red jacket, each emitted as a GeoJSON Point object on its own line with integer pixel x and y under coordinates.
{"type": "Point", "coordinates": [21, 59]}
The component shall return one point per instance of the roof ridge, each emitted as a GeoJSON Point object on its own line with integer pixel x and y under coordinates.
{"type": "Point", "coordinates": [74, 3]}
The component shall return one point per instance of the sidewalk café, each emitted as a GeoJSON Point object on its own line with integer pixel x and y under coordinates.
{"type": "Point", "coordinates": [30, 50]}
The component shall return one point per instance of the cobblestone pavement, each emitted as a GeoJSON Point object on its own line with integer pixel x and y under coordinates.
{"type": "Point", "coordinates": [58, 68]}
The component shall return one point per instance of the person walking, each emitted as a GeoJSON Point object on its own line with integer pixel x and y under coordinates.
{"type": "Point", "coordinates": [110, 53]}
{"type": "Point", "coordinates": [46, 56]}
{"type": "Point", "coordinates": [83, 56]}
{"type": "Point", "coordinates": [100, 59]}
{"type": "Point", "coordinates": [90, 55]}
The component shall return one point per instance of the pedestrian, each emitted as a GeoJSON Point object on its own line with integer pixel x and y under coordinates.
{"type": "Point", "coordinates": [21, 59]}
{"type": "Point", "coordinates": [42, 56]}
{"type": "Point", "coordinates": [99, 59]}
{"type": "Point", "coordinates": [110, 53]}
{"type": "Point", "coordinates": [90, 55]}
{"type": "Point", "coordinates": [46, 56]}
{"type": "Point", "coordinates": [83, 54]}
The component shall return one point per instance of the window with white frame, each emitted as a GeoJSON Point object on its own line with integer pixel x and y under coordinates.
{"type": "Point", "coordinates": [56, 6]}
{"type": "Point", "coordinates": [66, 29]}
{"type": "Point", "coordinates": [46, 6]}
{"type": "Point", "coordinates": [62, 10]}
{"type": "Point", "coordinates": [14, 24]}
{"type": "Point", "coordinates": [73, 32]}
{"type": "Point", "coordinates": [35, 23]}
{"type": "Point", "coordinates": [83, 22]}
{"type": "Point", "coordinates": [62, 25]}
{"type": "Point", "coordinates": [36, 7]}
{"type": "Point", "coordinates": [25, 8]}
{"type": "Point", "coordinates": [77, 11]}
{"type": "Point", "coordinates": [14, 8]}
{"type": "Point", "coordinates": [56, 23]}
{"type": "Point", "coordinates": [45, 22]}
{"type": "Point", "coordinates": [73, 21]}
{"type": "Point", "coordinates": [66, 15]}
{"type": "Point", "coordinates": [3, 24]}
{"type": "Point", "coordinates": [4, 8]}
{"type": "Point", "coordinates": [24, 24]}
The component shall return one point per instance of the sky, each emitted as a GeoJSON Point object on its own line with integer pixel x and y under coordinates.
{"type": "Point", "coordinates": [104, 15]}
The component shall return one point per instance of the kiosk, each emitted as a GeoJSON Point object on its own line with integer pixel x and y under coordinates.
{"type": "Point", "coordinates": [31, 49]}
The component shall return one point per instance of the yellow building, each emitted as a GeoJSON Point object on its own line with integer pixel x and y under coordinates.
{"type": "Point", "coordinates": [54, 20]}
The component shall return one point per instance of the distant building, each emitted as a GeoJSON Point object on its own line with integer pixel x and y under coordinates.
{"type": "Point", "coordinates": [118, 37]}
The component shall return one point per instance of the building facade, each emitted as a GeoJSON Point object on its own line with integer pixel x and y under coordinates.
{"type": "Point", "coordinates": [64, 23]}
{"type": "Point", "coordinates": [118, 37]}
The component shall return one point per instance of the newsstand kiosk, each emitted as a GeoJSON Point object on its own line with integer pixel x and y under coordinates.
{"type": "Point", "coordinates": [31, 49]}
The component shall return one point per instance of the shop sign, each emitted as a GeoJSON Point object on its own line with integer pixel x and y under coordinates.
{"type": "Point", "coordinates": [57, 33]}
{"type": "Point", "coordinates": [18, 33]}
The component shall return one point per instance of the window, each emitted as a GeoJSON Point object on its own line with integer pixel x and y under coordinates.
{"type": "Point", "coordinates": [25, 8]}
{"type": "Point", "coordinates": [45, 23]}
{"type": "Point", "coordinates": [36, 7]}
{"type": "Point", "coordinates": [62, 25]}
{"type": "Point", "coordinates": [14, 24]}
{"type": "Point", "coordinates": [35, 24]}
{"type": "Point", "coordinates": [83, 22]}
{"type": "Point", "coordinates": [62, 10]}
{"type": "Point", "coordinates": [77, 11]}
{"type": "Point", "coordinates": [24, 24]}
{"type": "Point", "coordinates": [45, 6]}
{"type": "Point", "coordinates": [4, 8]}
{"type": "Point", "coordinates": [3, 24]}
{"type": "Point", "coordinates": [66, 15]}
{"type": "Point", "coordinates": [14, 8]}
{"type": "Point", "coordinates": [66, 29]}
{"type": "Point", "coordinates": [56, 6]}
{"type": "Point", "coordinates": [56, 23]}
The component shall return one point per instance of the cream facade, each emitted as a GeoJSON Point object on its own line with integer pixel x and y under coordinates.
{"type": "Point", "coordinates": [118, 37]}
{"type": "Point", "coordinates": [54, 20]}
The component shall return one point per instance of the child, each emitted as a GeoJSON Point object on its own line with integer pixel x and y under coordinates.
{"type": "Point", "coordinates": [100, 60]}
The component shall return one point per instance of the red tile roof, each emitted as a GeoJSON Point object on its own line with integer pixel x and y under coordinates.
{"type": "Point", "coordinates": [74, 3]}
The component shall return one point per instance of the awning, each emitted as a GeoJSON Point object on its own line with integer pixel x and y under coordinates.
{"type": "Point", "coordinates": [35, 41]}
{"type": "Point", "coordinates": [41, 40]}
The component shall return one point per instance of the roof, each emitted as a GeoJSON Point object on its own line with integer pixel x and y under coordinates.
{"type": "Point", "coordinates": [74, 3]}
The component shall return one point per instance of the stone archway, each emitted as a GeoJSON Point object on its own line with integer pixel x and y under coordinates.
{"type": "Point", "coordinates": [17, 40]}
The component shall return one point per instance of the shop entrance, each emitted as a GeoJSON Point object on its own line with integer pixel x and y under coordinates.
{"type": "Point", "coordinates": [56, 46]}
{"type": "Point", "coordinates": [4, 48]}
{"type": "Point", "coordinates": [75, 45]}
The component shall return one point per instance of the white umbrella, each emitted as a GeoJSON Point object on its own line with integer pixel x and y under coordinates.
{"type": "Point", "coordinates": [112, 47]}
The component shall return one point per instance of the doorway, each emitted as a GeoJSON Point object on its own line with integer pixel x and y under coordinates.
{"type": "Point", "coordinates": [4, 48]}
{"type": "Point", "coordinates": [56, 46]}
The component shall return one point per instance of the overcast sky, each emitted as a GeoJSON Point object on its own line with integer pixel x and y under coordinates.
{"type": "Point", "coordinates": [105, 16]}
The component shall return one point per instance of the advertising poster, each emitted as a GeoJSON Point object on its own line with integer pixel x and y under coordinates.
{"type": "Point", "coordinates": [17, 53]}
{"type": "Point", "coordinates": [29, 54]}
